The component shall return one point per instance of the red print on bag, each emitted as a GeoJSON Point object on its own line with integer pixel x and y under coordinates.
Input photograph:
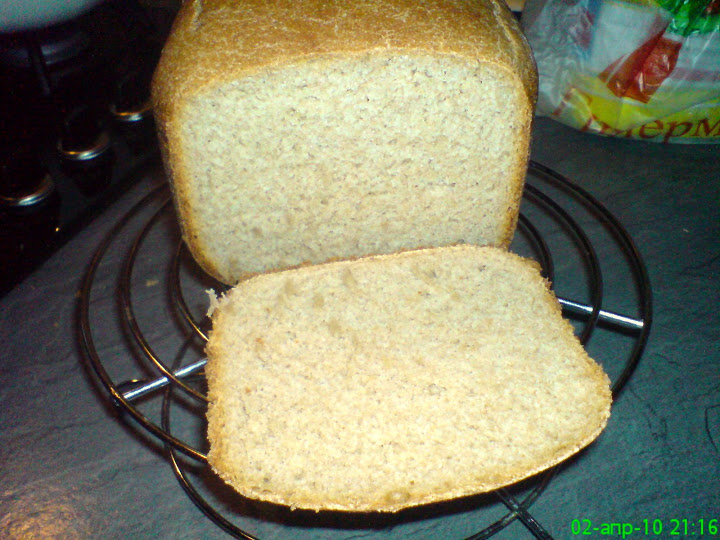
{"type": "Point", "coordinates": [639, 75]}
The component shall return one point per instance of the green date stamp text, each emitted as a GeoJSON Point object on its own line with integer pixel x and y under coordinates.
{"type": "Point", "coordinates": [661, 528]}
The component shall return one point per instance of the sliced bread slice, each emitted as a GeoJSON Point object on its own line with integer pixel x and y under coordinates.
{"type": "Point", "coordinates": [393, 381]}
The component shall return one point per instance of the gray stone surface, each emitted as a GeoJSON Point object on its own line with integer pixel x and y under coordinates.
{"type": "Point", "coordinates": [71, 467]}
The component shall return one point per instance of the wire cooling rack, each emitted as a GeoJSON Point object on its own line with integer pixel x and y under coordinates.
{"type": "Point", "coordinates": [153, 367]}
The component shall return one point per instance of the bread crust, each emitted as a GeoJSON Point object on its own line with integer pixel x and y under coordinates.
{"type": "Point", "coordinates": [217, 41]}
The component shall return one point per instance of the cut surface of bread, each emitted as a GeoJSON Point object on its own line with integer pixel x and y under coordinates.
{"type": "Point", "coordinates": [394, 381]}
{"type": "Point", "coordinates": [306, 131]}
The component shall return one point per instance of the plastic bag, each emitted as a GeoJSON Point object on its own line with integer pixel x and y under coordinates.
{"type": "Point", "coordinates": [640, 69]}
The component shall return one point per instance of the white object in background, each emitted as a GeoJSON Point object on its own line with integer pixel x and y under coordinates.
{"type": "Point", "coordinates": [18, 15]}
{"type": "Point", "coordinates": [619, 29]}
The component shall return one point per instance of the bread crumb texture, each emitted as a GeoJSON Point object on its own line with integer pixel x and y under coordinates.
{"type": "Point", "coordinates": [395, 381]}
{"type": "Point", "coordinates": [307, 131]}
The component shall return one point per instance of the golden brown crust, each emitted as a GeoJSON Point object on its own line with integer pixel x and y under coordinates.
{"type": "Point", "coordinates": [180, 201]}
{"type": "Point", "coordinates": [215, 41]}
{"type": "Point", "coordinates": [518, 185]}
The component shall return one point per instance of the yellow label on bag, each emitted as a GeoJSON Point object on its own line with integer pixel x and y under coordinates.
{"type": "Point", "coordinates": [618, 117]}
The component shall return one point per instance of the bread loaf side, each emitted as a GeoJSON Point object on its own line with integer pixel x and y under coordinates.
{"type": "Point", "coordinates": [299, 132]}
{"type": "Point", "coordinates": [394, 381]}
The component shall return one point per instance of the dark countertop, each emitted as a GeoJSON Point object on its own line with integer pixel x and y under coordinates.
{"type": "Point", "coordinates": [69, 468]}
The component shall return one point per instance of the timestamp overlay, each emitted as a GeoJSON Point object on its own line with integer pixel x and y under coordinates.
{"type": "Point", "coordinates": [647, 528]}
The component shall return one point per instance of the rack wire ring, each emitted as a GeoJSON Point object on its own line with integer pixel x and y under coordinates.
{"type": "Point", "coordinates": [517, 510]}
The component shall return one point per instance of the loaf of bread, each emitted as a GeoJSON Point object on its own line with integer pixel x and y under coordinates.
{"type": "Point", "coordinates": [396, 380]}
{"type": "Point", "coordinates": [300, 132]}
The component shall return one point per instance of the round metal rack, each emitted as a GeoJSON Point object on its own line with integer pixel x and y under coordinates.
{"type": "Point", "coordinates": [560, 226]}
